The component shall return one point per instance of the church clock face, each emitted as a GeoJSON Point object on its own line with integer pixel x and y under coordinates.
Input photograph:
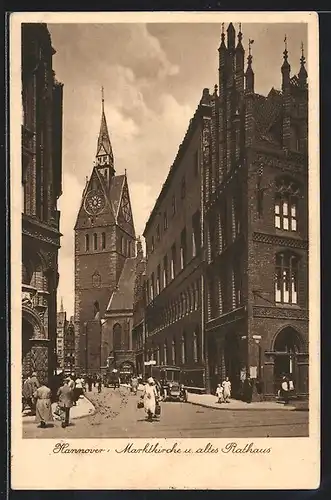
{"type": "Point", "coordinates": [94, 202]}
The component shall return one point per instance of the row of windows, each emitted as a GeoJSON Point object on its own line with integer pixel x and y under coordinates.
{"type": "Point", "coordinates": [219, 301]}
{"type": "Point", "coordinates": [168, 352]}
{"type": "Point", "coordinates": [164, 276]}
{"type": "Point", "coordinates": [155, 239]}
{"type": "Point", "coordinates": [126, 248]}
{"type": "Point", "coordinates": [186, 302]}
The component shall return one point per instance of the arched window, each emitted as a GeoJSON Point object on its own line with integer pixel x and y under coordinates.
{"type": "Point", "coordinates": [87, 242]}
{"type": "Point", "coordinates": [195, 347]}
{"type": "Point", "coordinates": [173, 352]}
{"type": "Point", "coordinates": [117, 337]}
{"type": "Point", "coordinates": [96, 280]}
{"type": "Point", "coordinates": [95, 241]}
{"type": "Point", "coordinates": [286, 279]}
{"type": "Point", "coordinates": [286, 205]}
{"type": "Point", "coordinates": [183, 348]}
{"type": "Point", "coordinates": [158, 356]}
{"type": "Point", "coordinates": [165, 353]}
{"type": "Point", "coordinates": [103, 241]}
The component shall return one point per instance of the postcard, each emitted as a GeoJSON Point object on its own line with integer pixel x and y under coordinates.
{"type": "Point", "coordinates": [165, 301]}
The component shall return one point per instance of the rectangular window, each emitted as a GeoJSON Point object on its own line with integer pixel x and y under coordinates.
{"type": "Point", "coordinates": [173, 262]}
{"type": "Point", "coordinates": [194, 248]}
{"type": "Point", "coordinates": [158, 278]}
{"type": "Point", "coordinates": [165, 271]}
{"type": "Point", "coordinates": [103, 241]}
{"type": "Point", "coordinates": [196, 233]}
{"type": "Point", "coordinates": [152, 287]}
{"type": "Point", "coordinates": [286, 213]}
{"type": "Point", "coordinates": [183, 249]}
{"type": "Point", "coordinates": [165, 221]}
{"type": "Point", "coordinates": [173, 204]}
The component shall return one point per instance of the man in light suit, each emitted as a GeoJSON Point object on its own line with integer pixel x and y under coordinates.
{"type": "Point", "coordinates": [65, 395]}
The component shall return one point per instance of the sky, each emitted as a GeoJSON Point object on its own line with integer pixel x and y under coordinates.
{"type": "Point", "coordinates": [153, 76]}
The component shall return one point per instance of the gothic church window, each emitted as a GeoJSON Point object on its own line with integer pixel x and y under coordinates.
{"type": "Point", "coordinates": [117, 337]}
{"type": "Point", "coordinates": [103, 241]}
{"type": "Point", "coordinates": [286, 279]}
{"type": "Point", "coordinates": [96, 280]}
{"type": "Point", "coordinates": [286, 206]}
{"type": "Point", "coordinates": [95, 241]}
{"type": "Point", "coordinates": [87, 242]}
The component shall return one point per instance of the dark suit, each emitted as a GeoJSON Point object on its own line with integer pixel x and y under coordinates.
{"type": "Point", "coordinates": [66, 396]}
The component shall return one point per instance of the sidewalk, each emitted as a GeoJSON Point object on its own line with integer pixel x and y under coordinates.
{"type": "Point", "coordinates": [83, 409]}
{"type": "Point", "coordinates": [210, 401]}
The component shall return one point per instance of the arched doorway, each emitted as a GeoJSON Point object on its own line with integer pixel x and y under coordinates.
{"type": "Point", "coordinates": [287, 346]}
{"type": "Point", "coordinates": [27, 334]}
{"type": "Point", "coordinates": [232, 360]}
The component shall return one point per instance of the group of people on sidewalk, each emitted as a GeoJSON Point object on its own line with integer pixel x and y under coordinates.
{"type": "Point", "coordinates": [285, 392]}
{"type": "Point", "coordinates": [38, 396]}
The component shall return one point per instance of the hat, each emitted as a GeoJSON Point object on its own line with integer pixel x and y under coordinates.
{"type": "Point", "coordinates": [150, 380]}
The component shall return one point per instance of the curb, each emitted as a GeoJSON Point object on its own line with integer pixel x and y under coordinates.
{"type": "Point", "coordinates": [227, 408]}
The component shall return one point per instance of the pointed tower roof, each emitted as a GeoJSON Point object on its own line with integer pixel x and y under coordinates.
{"type": "Point", "coordinates": [303, 75]}
{"type": "Point", "coordinates": [286, 68]}
{"type": "Point", "coordinates": [240, 37]}
{"type": "Point", "coordinates": [249, 75]}
{"type": "Point", "coordinates": [104, 145]}
{"type": "Point", "coordinates": [231, 36]}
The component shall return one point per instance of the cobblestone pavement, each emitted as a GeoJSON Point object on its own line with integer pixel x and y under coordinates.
{"type": "Point", "coordinates": [117, 416]}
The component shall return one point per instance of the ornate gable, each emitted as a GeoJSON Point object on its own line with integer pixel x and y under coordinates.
{"type": "Point", "coordinates": [124, 216]}
{"type": "Point", "coordinates": [96, 208]}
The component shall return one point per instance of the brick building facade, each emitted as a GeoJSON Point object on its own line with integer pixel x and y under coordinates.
{"type": "Point", "coordinates": [104, 247]}
{"type": "Point", "coordinates": [61, 328]}
{"type": "Point", "coordinates": [41, 188]}
{"type": "Point", "coordinates": [139, 306]}
{"type": "Point", "coordinates": [65, 341]}
{"type": "Point", "coordinates": [256, 208]}
{"type": "Point", "coordinates": [174, 282]}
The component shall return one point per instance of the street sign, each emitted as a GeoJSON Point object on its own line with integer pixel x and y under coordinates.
{"type": "Point", "coordinates": [149, 363]}
{"type": "Point", "coordinates": [257, 337]}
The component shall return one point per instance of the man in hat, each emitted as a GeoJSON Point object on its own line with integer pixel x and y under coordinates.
{"type": "Point", "coordinates": [66, 396]}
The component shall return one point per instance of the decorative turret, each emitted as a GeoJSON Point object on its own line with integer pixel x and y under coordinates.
{"type": "Point", "coordinates": [249, 75]}
{"type": "Point", "coordinates": [240, 55]}
{"type": "Point", "coordinates": [303, 75]}
{"type": "Point", "coordinates": [286, 68]}
{"type": "Point", "coordinates": [231, 36]}
{"type": "Point", "coordinates": [104, 156]}
{"type": "Point", "coordinates": [222, 51]}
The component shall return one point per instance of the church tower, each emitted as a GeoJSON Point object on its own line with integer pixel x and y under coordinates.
{"type": "Point", "coordinates": [104, 239]}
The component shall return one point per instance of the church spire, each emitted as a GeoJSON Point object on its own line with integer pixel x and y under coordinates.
{"type": "Point", "coordinates": [104, 156]}
{"type": "Point", "coordinates": [61, 310]}
{"type": "Point", "coordinates": [249, 71]}
{"type": "Point", "coordinates": [286, 68]}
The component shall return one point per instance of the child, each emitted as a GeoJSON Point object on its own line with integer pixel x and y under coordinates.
{"type": "Point", "coordinates": [219, 393]}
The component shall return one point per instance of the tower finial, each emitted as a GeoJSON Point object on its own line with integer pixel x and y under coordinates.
{"type": "Point", "coordinates": [222, 34]}
{"type": "Point", "coordinates": [102, 98]}
{"type": "Point", "coordinates": [303, 75]}
{"type": "Point", "coordinates": [285, 42]}
{"type": "Point", "coordinates": [249, 72]}
{"type": "Point", "coordinates": [250, 43]}
{"type": "Point", "coordinates": [240, 35]}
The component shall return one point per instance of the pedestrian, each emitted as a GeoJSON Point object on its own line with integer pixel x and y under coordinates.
{"type": "Point", "coordinates": [66, 396]}
{"type": "Point", "coordinates": [99, 384]}
{"type": "Point", "coordinates": [27, 393]}
{"type": "Point", "coordinates": [134, 384]}
{"type": "Point", "coordinates": [43, 405]}
{"type": "Point", "coordinates": [248, 390]}
{"type": "Point", "coordinates": [219, 393]}
{"type": "Point", "coordinates": [150, 398]}
{"type": "Point", "coordinates": [34, 385]}
{"type": "Point", "coordinates": [285, 390]}
{"type": "Point", "coordinates": [78, 391]}
{"type": "Point", "coordinates": [72, 385]}
{"type": "Point", "coordinates": [89, 383]}
{"type": "Point", "coordinates": [226, 390]}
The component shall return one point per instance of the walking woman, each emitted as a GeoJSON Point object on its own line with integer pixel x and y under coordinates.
{"type": "Point", "coordinates": [43, 405]}
{"type": "Point", "coordinates": [150, 397]}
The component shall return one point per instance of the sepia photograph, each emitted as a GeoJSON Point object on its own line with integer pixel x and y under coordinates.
{"type": "Point", "coordinates": [166, 232]}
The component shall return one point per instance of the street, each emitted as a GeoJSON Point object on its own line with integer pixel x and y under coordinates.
{"type": "Point", "coordinates": [117, 416]}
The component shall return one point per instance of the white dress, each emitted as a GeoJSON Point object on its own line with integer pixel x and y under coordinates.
{"type": "Point", "coordinates": [150, 398]}
{"type": "Point", "coordinates": [226, 388]}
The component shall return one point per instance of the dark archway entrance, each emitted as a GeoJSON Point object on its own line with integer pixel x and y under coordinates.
{"type": "Point", "coordinates": [27, 334]}
{"type": "Point", "coordinates": [232, 361]}
{"type": "Point", "coordinates": [287, 346]}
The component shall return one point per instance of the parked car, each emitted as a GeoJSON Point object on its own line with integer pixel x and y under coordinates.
{"type": "Point", "coordinates": [168, 380]}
